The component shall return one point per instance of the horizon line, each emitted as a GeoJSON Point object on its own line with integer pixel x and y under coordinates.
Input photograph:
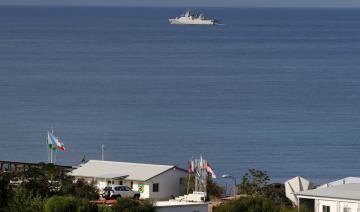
{"type": "Point", "coordinates": [178, 6]}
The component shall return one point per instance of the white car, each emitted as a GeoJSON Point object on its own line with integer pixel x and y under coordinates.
{"type": "Point", "coordinates": [116, 191]}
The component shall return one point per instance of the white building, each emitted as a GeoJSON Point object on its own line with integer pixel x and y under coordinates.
{"type": "Point", "coordinates": [341, 182]}
{"type": "Point", "coordinates": [337, 198]}
{"type": "Point", "coordinates": [295, 185]}
{"type": "Point", "coordinates": [152, 181]}
{"type": "Point", "coordinates": [177, 206]}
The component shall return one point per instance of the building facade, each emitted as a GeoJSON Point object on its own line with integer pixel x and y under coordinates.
{"type": "Point", "coordinates": [160, 182]}
{"type": "Point", "coordinates": [338, 198]}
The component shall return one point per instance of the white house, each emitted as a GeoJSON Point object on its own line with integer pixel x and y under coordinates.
{"type": "Point", "coordinates": [341, 181]}
{"type": "Point", "coordinates": [177, 206]}
{"type": "Point", "coordinates": [158, 182]}
{"type": "Point", "coordinates": [337, 198]}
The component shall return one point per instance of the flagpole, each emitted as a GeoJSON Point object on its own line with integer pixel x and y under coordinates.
{"type": "Point", "coordinates": [52, 150]}
{"type": "Point", "coordinates": [47, 147]}
{"type": "Point", "coordinates": [188, 184]}
{"type": "Point", "coordinates": [51, 155]}
{"type": "Point", "coordinates": [55, 156]}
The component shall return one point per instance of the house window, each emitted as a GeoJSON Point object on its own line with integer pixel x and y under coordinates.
{"type": "Point", "coordinates": [120, 183]}
{"type": "Point", "coordinates": [181, 180]}
{"type": "Point", "coordinates": [131, 184]}
{"type": "Point", "coordinates": [347, 209]}
{"type": "Point", "coordinates": [155, 187]}
{"type": "Point", "coordinates": [326, 208]}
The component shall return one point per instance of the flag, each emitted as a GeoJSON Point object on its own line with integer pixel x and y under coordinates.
{"type": "Point", "coordinates": [192, 166]}
{"type": "Point", "coordinates": [55, 142]}
{"type": "Point", "coordinates": [50, 142]}
{"type": "Point", "coordinates": [189, 167]}
{"type": "Point", "coordinates": [210, 170]}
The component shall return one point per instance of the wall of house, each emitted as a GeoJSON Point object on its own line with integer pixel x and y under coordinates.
{"type": "Point", "coordinates": [353, 205]}
{"type": "Point", "coordinates": [336, 205]}
{"type": "Point", "coordinates": [331, 203]}
{"type": "Point", "coordinates": [169, 184]}
{"type": "Point", "coordinates": [101, 183]}
{"type": "Point", "coordinates": [136, 184]}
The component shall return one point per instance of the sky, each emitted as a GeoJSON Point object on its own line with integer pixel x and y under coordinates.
{"type": "Point", "coordinates": [185, 3]}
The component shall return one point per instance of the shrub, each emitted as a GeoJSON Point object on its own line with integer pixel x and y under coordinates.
{"type": "Point", "coordinates": [248, 204]}
{"type": "Point", "coordinates": [25, 201]}
{"type": "Point", "coordinates": [80, 189]}
{"type": "Point", "coordinates": [130, 205]}
{"type": "Point", "coordinates": [68, 204]}
{"type": "Point", "coordinates": [5, 190]}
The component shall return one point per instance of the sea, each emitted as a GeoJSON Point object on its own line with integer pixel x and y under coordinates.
{"type": "Point", "coordinates": [274, 89]}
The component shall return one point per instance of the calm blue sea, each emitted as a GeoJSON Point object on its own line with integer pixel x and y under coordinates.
{"type": "Point", "coordinates": [272, 89]}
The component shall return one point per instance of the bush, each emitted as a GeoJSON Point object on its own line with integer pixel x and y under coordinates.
{"type": "Point", "coordinates": [5, 190]}
{"type": "Point", "coordinates": [248, 204]}
{"type": "Point", "coordinates": [130, 205]}
{"type": "Point", "coordinates": [80, 189]}
{"type": "Point", "coordinates": [68, 204]}
{"type": "Point", "coordinates": [25, 201]}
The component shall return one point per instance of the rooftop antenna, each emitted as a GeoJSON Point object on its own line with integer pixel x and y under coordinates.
{"type": "Point", "coordinates": [102, 151]}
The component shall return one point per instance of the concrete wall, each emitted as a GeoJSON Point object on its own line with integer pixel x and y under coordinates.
{"type": "Point", "coordinates": [183, 208]}
{"type": "Point", "coordinates": [169, 184]}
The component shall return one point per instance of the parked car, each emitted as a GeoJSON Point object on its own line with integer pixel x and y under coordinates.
{"type": "Point", "coordinates": [115, 191]}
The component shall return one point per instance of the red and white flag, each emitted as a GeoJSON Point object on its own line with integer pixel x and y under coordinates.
{"type": "Point", "coordinates": [210, 170]}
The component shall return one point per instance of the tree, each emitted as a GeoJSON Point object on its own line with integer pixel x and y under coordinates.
{"type": "Point", "coordinates": [213, 190]}
{"type": "Point", "coordinates": [25, 201]}
{"type": "Point", "coordinates": [276, 192]}
{"type": "Point", "coordinates": [80, 188]}
{"type": "Point", "coordinates": [5, 190]}
{"type": "Point", "coordinates": [254, 182]}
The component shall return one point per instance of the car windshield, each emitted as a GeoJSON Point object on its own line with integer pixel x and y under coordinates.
{"type": "Point", "coordinates": [107, 189]}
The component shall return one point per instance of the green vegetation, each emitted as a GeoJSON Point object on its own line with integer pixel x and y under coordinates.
{"type": "Point", "coordinates": [261, 197]}
{"type": "Point", "coordinates": [248, 204]}
{"type": "Point", "coordinates": [254, 182]}
{"type": "Point", "coordinates": [47, 189]}
{"type": "Point", "coordinates": [69, 203]}
{"type": "Point", "coordinates": [130, 205]}
{"type": "Point", "coordinates": [5, 190]}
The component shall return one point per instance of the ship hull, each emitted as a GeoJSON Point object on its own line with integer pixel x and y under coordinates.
{"type": "Point", "coordinates": [191, 22]}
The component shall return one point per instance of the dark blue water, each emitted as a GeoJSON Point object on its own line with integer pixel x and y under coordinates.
{"type": "Point", "coordinates": [273, 89]}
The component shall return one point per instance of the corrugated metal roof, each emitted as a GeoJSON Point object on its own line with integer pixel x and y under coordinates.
{"type": "Point", "coordinates": [349, 191]}
{"type": "Point", "coordinates": [346, 180]}
{"type": "Point", "coordinates": [135, 171]}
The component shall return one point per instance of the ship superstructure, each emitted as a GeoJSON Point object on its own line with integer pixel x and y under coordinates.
{"type": "Point", "coordinates": [194, 19]}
